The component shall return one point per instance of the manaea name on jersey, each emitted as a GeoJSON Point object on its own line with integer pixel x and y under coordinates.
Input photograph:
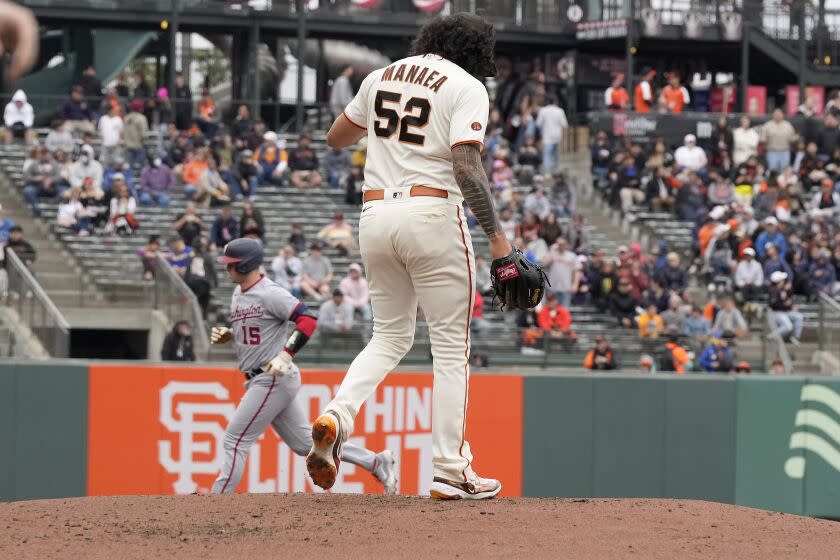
{"type": "Point", "coordinates": [414, 74]}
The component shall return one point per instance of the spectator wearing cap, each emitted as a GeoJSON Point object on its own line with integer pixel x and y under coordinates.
{"type": "Point", "coordinates": [743, 367]}
{"type": "Point", "coordinates": [245, 176]}
{"type": "Point", "coordinates": [317, 273]}
{"type": "Point", "coordinates": [111, 129]}
{"type": "Point", "coordinates": [287, 269]}
{"type": "Point", "coordinates": [189, 224]}
{"type": "Point", "coordinates": [729, 319]}
{"type": "Point", "coordinates": [354, 286]}
{"type": "Point", "coordinates": [42, 179]}
{"type": "Point", "coordinates": [771, 235]}
{"type": "Point", "coordinates": [674, 96]}
{"type": "Point", "coordinates": [18, 118]}
{"type": "Point", "coordinates": [788, 320]}
{"type": "Point", "coordinates": [690, 155]}
{"type": "Point", "coordinates": [778, 134]}
{"type": "Point", "coordinates": [338, 234]}
{"type": "Point", "coordinates": [717, 356]}
{"type": "Point", "coordinates": [822, 275]}
{"type": "Point", "coordinates": [134, 136]}
{"type": "Point", "coordinates": [303, 164]}
{"type": "Point", "coordinates": [601, 356]}
{"type": "Point", "coordinates": [336, 314]}
{"type": "Point", "coordinates": [272, 158]}
{"type": "Point", "coordinates": [623, 304]}
{"type": "Point", "coordinates": [616, 97]}
{"type": "Point", "coordinates": [156, 181]}
{"type": "Point", "coordinates": [749, 276]}
{"type": "Point", "coordinates": [225, 229]}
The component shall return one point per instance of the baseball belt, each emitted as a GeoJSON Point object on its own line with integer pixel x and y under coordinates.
{"type": "Point", "coordinates": [253, 373]}
{"type": "Point", "coordinates": [416, 190]}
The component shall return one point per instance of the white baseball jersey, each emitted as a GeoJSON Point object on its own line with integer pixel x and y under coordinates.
{"type": "Point", "coordinates": [415, 111]}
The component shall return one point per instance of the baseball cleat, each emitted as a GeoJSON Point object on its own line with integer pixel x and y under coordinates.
{"type": "Point", "coordinates": [385, 471]}
{"type": "Point", "coordinates": [480, 489]}
{"type": "Point", "coordinates": [323, 460]}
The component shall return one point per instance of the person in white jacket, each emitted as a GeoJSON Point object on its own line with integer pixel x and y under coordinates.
{"type": "Point", "coordinates": [749, 276]}
{"type": "Point", "coordinates": [745, 142]}
{"type": "Point", "coordinates": [86, 167]}
{"type": "Point", "coordinates": [18, 118]}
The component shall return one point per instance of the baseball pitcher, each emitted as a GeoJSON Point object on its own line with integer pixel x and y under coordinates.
{"type": "Point", "coordinates": [269, 326]}
{"type": "Point", "coordinates": [424, 119]}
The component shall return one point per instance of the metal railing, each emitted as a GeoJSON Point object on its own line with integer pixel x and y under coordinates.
{"type": "Point", "coordinates": [773, 347]}
{"type": "Point", "coordinates": [829, 327]}
{"type": "Point", "coordinates": [173, 297]}
{"type": "Point", "coordinates": [36, 309]}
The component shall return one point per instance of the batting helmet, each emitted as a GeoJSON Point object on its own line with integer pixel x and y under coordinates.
{"type": "Point", "coordinates": [245, 253]}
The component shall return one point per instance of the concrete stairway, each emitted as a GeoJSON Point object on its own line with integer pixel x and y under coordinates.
{"type": "Point", "coordinates": [55, 268]}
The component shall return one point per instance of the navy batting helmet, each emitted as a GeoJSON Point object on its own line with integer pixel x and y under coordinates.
{"type": "Point", "coordinates": [245, 253]}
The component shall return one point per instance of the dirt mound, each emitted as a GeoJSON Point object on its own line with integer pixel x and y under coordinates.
{"type": "Point", "coordinates": [312, 526]}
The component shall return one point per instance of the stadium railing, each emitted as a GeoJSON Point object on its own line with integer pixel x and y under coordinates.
{"type": "Point", "coordinates": [173, 297]}
{"type": "Point", "coordinates": [36, 309]}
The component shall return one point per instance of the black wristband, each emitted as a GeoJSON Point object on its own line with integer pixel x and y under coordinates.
{"type": "Point", "coordinates": [296, 341]}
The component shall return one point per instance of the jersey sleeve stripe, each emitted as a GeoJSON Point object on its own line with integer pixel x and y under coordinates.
{"type": "Point", "coordinates": [352, 121]}
{"type": "Point", "coordinates": [456, 144]}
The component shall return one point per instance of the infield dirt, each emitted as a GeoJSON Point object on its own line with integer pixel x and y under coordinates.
{"type": "Point", "coordinates": [360, 527]}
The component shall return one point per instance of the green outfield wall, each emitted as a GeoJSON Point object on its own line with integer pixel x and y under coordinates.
{"type": "Point", "coordinates": [758, 441]}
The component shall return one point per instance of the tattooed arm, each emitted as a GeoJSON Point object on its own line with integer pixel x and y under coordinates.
{"type": "Point", "coordinates": [472, 179]}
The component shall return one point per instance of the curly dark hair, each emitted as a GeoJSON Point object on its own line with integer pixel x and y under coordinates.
{"type": "Point", "coordinates": [465, 39]}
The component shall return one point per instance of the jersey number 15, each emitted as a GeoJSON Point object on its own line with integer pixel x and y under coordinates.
{"type": "Point", "coordinates": [416, 114]}
{"type": "Point", "coordinates": [251, 335]}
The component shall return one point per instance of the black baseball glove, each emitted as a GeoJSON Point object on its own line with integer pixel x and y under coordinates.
{"type": "Point", "coordinates": [518, 282]}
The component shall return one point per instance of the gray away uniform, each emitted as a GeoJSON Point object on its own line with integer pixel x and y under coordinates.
{"type": "Point", "coordinates": [262, 318]}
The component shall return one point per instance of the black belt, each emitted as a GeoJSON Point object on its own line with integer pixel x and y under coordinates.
{"type": "Point", "coordinates": [253, 373]}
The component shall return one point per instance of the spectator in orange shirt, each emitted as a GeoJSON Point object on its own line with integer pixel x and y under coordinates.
{"type": "Point", "coordinates": [555, 319]}
{"type": "Point", "coordinates": [650, 323]}
{"type": "Point", "coordinates": [600, 357]}
{"type": "Point", "coordinates": [478, 323]}
{"type": "Point", "coordinates": [616, 97]}
{"type": "Point", "coordinates": [674, 95]}
{"type": "Point", "coordinates": [193, 172]}
{"type": "Point", "coordinates": [206, 114]}
{"type": "Point", "coordinates": [643, 92]}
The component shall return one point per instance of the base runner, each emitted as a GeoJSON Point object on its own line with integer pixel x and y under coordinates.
{"type": "Point", "coordinates": [269, 326]}
{"type": "Point", "coordinates": [424, 118]}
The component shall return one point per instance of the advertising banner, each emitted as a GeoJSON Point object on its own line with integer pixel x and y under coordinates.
{"type": "Point", "coordinates": [159, 430]}
{"type": "Point", "coordinates": [815, 93]}
{"type": "Point", "coordinates": [756, 100]}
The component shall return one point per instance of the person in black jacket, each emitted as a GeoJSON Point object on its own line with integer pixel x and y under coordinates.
{"type": "Point", "coordinates": [601, 356]}
{"type": "Point", "coordinates": [623, 304]}
{"type": "Point", "coordinates": [183, 103]}
{"type": "Point", "coordinates": [200, 275]}
{"type": "Point", "coordinates": [672, 277]}
{"type": "Point", "coordinates": [780, 301]}
{"type": "Point", "coordinates": [178, 344]}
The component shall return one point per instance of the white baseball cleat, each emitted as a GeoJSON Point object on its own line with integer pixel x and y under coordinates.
{"type": "Point", "coordinates": [385, 471]}
{"type": "Point", "coordinates": [324, 458]}
{"type": "Point", "coordinates": [479, 489]}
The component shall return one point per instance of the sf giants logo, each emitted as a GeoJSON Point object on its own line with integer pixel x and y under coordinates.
{"type": "Point", "coordinates": [188, 420]}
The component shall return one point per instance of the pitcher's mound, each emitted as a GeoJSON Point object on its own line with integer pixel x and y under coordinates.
{"type": "Point", "coordinates": [359, 527]}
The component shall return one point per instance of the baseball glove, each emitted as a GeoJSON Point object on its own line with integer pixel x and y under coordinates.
{"type": "Point", "coordinates": [518, 283]}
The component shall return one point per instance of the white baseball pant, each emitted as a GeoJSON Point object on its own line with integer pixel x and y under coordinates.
{"type": "Point", "coordinates": [273, 400]}
{"type": "Point", "coordinates": [417, 249]}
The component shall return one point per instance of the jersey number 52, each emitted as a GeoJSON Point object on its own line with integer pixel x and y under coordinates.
{"type": "Point", "coordinates": [416, 114]}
